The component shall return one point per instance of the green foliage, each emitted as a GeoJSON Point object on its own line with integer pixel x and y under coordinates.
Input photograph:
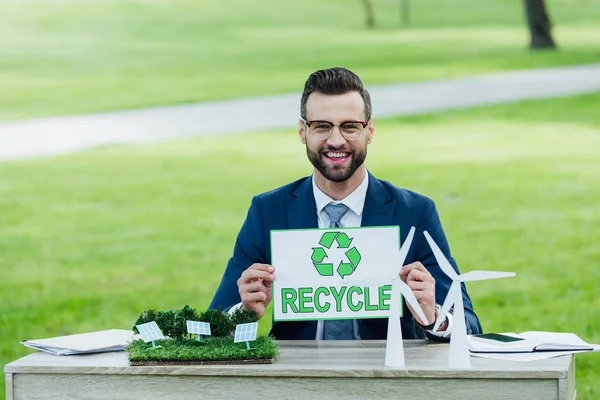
{"type": "Point", "coordinates": [166, 322]}
{"type": "Point", "coordinates": [220, 322]}
{"type": "Point", "coordinates": [240, 316]}
{"type": "Point", "coordinates": [209, 349]}
{"type": "Point", "coordinates": [145, 317]}
{"type": "Point", "coordinates": [171, 323]}
{"type": "Point", "coordinates": [181, 316]}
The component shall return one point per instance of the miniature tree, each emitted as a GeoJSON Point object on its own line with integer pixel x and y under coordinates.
{"type": "Point", "coordinates": [173, 323]}
{"type": "Point", "coordinates": [181, 316]}
{"type": "Point", "coordinates": [166, 322]}
{"type": "Point", "coordinates": [240, 316]}
{"type": "Point", "coordinates": [145, 316]}
{"type": "Point", "coordinates": [220, 322]}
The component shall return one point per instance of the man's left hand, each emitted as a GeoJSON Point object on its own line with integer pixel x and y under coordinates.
{"type": "Point", "coordinates": [422, 284]}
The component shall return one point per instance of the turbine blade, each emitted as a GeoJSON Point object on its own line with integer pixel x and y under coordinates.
{"type": "Point", "coordinates": [401, 256]}
{"type": "Point", "coordinates": [406, 246]}
{"type": "Point", "coordinates": [440, 257]}
{"type": "Point", "coordinates": [412, 300]}
{"type": "Point", "coordinates": [450, 299]}
{"type": "Point", "coordinates": [483, 275]}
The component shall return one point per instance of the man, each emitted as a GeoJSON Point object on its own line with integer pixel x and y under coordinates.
{"type": "Point", "coordinates": [336, 127]}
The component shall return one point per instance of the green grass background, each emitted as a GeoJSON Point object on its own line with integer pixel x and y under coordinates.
{"type": "Point", "coordinates": [72, 56]}
{"type": "Point", "coordinates": [90, 239]}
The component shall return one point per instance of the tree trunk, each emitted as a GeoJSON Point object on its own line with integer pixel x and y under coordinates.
{"type": "Point", "coordinates": [405, 12]}
{"type": "Point", "coordinates": [369, 13]}
{"type": "Point", "coordinates": [539, 25]}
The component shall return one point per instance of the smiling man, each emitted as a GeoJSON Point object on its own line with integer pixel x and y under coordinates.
{"type": "Point", "coordinates": [336, 127]}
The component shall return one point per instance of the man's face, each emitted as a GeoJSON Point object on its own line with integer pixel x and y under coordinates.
{"type": "Point", "coordinates": [336, 158]}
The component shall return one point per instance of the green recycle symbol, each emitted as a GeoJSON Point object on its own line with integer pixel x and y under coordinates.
{"type": "Point", "coordinates": [343, 242]}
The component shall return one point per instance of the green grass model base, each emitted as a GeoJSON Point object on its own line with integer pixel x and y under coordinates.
{"type": "Point", "coordinates": [208, 351]}
{"type": "Point", "coordinates": [182, 348]}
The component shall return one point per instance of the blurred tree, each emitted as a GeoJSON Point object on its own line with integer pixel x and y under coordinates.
{"type": "Point", "coordinates": [369, 13]}
{"type": "Point", "coordinates": [405, 12]}
{"type": "Point", "coordinates": [539, 25]}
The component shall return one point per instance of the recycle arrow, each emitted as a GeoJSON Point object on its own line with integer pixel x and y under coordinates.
{"type": "Point", "coordinates": [318, 255]}
{"type": "Point", "coordinates": [345, 268]}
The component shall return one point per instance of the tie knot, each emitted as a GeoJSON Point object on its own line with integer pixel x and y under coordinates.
{"type": "Point", "coordinates": [335, 213]}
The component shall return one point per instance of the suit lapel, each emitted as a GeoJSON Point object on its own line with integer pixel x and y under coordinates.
{"type": "Point", "coordinates": [378, 211]}
{"type": "Point", "coordinates": [301, 207]}
{"type": "Point", "coordinates": [301, 214]}
{"type": "Point", "coordinates": [379, 205]}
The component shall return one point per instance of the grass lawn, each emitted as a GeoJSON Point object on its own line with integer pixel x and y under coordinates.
{"type": "Point", "coordinates": [73, 56]}
{"type": "Point", "coordinates": [91, 239]}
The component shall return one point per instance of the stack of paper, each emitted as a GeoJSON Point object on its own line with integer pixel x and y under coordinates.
{"type": "Point", "coordinates": [533, 342]}
{"type": "Point", "coordinates": [84, 343]}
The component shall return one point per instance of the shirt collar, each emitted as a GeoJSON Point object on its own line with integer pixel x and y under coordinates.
{"type": "Point", "coordinates": [355, 200]}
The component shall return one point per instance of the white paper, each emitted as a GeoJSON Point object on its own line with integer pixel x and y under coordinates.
{"type": "Point", "coordinates": [84, 343]}
{"type": "Point", "coordinates": [312, 291]}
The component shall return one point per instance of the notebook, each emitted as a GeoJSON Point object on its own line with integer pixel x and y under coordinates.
{"type": "Point", "coordinates": [533, 341]}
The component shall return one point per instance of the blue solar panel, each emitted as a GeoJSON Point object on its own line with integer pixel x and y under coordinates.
{"type": "Point", "coordinates": [246, 332]}
{"type": "Point", "coordinates": [198, 328]}
{"type": "Point", "coordinates": [150, 331]}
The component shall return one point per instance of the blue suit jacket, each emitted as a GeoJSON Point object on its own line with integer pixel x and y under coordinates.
{"type": "Point", "coordinates": [293, 207]}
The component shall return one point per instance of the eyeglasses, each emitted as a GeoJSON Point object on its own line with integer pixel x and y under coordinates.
{"type": "Point", "coordinates": [321, 130]}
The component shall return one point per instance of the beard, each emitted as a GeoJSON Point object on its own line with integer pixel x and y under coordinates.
{"type": "Point", "coordinates": [336, 173]}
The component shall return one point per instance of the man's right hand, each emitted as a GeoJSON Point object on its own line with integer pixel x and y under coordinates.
{"type": "Point", "coordinates": [256, 287]}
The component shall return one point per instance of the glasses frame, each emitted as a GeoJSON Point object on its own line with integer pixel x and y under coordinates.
{"type": "Point", "coordinates": [363, 123]}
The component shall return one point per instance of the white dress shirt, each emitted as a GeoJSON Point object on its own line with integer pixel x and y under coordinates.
{"type": "Point", "coordinates": [355, 202]}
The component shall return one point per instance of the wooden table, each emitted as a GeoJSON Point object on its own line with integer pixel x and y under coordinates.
{"type": "Point", "coordinates": [304, 370]}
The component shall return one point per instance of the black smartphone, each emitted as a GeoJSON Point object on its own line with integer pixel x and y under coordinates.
{"type": "Point", "coordinates": [497, 337]}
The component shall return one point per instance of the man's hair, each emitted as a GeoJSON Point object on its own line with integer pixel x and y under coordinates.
{"type": "Point", "coordinates": [334, 81]}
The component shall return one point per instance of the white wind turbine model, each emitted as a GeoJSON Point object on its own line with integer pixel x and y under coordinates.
{"type": "Point", "coordinates": [394, 349]}
{"type": "Point", "coordinates": [458, 356]}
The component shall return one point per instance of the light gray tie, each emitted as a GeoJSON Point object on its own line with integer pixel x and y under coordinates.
{"type": "Point", "coordinates": [337, 329]}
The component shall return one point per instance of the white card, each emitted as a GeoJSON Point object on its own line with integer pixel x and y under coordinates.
{"type": "Point", "coordinates": [334, 273]}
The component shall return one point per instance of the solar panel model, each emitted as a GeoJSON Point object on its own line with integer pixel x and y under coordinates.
{"type": "Point", "coordinates": [246, 333]}
{"type": "Point", "coordinates": [150, 332]}
{"type": "Point", "coordinates": [198, 328]}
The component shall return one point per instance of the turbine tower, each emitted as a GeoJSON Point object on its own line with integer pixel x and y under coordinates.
{"type": "Point", "coordinates": [394, 349]}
